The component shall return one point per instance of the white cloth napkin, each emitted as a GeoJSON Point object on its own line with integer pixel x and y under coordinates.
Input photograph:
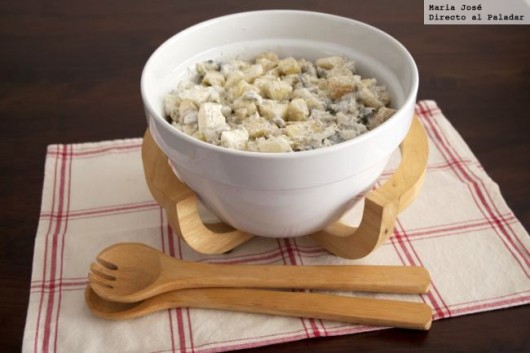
{"type": "Point", "coordinates": [95, 195]}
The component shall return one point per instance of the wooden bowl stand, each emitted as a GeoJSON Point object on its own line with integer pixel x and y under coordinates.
{"type": "Point", "coordinates": [381, 207]}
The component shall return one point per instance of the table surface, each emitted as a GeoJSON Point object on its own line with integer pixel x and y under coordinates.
{"type": "Point", "coordinates": [70, 70]}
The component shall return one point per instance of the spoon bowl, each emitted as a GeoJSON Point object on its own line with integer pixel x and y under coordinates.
{"type": "Point", "coordinates": [125, 269]}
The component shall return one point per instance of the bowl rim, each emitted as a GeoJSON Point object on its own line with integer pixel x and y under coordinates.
{"type": "Point", "coordinates": [410, 98]}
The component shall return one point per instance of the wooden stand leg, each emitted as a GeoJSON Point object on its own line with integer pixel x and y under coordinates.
{"type": "Point", "coordinates": [180, 204]}
{"type": "Point", "coordinates": [198, 236]}
{"type": "Point", "coordinates": [382, 205]}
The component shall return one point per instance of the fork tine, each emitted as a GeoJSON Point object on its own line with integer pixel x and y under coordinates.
{"type": "Point", "coordinates": [94, 278]}
{"type": "Point", "coordinates": [102, 271]}
{"type": "Point", "coordinates": [105, 263]}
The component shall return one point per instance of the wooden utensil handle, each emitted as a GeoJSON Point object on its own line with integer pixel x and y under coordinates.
{"type": "Point", "coordinates": [383, 279]}
{"type": "Point", "coordinates": [366, 311]}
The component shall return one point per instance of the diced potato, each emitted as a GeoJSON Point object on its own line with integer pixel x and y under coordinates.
{"type": "Point", "coordinates": [270, 109]}
{"type": "Point", "coordinates": [291, 80]}
{"type": "Point", "coordinates": [346, 120]}
{"type": "Point", "coordinates": [307, 67]}
{"type": "Point", "coordinates": [185, 84]}
{"type": "Point", "coordinates": [369, 94]}
{"type": "Point", "coordinates": [313, 102]}
{"type": "Point", "coordinates": [257, 126]}
{"type": "Point", "coordinates": [297, 110]}
{"type": "Point", "coordinates": [213, 78]}
{"type": "Point", "coordinates": [324, 132]}
{"type": "Point", "coordinates": [369, 98]}
{"type": "Point", "coordinates": [266, 64]}
{"type": "Point", "coordinates": [322, 84]}
{"type": "Point", "coordinates": [241, 88]}
{"type": "Point", "coordinates": [302, 131]}
{"type": "Point", "coordinates": [279, 122]}
{"type": "Point", "coordinates": [252, 72]}
{"type": "Point", "coordinates": [348, 69]}
{"type": "Point", "coordinates": [340, 85]}
{"type": "Point", "coordinates": [211, 121]}
{"type": "Point", "coordinates": [380, 117]}
{"type": "Point", "coordinates": [236, 139]}
{"type": "Point", "coordinates": [383, 95]}
{"type": "Point", "coordinates": [348, 134]}
{"type": "Point", "coordinates": [244, 108]}
{"type": "Point", "coordinates": [171, 103]}
{"type": "Point", "coordinates": [289, 66]}
{"type": "Point", "coordinates": [350, 66]}
{"type": "Point", "coordinates": [191, 129]}
{"type": "Point", "coordinates": [205, 66]}
{"type": "Point", "coordinates": [233, 65]}
{"type": "Point", "coordinates": [240, 64]}
{"type": "Point", "coordinates": [297, 131]}
{"type": "Point", "coordinates": [263, 82]}
{"type": "Point", "coordinates": [322, 115]}
{"type": "Point", "coordinates": [186, 106]}
{"type": "Point", "coordinates": [277, 90]}
{"type": "Point", "coordinates": [234, 77]}
{"type": "Point", "coordinates": [306, 80]}
{"type": "Point", "coordinates": [330, 62]}
{"type": "Point", "coordinates": [253, 96]}
{"type": "Point", "coordinates": [226, 110]}
{"type": "Point", "coordinates": [188, 112]}
{"type": "Point", "coordinates": [347, 104]}
{"type": "Point", "coordinates": [269, 56]}
{"type": "Point", "coordinates": [274, 144]}
{"type": "Point", "coordinates": [274, 72]}
{"type": "Point", "coordinates": [197, 134]}
{"type": "Point", "coordinates": [201, 94]}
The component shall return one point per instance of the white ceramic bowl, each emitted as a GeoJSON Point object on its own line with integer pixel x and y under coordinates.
{"type": "Point", "coordinates": [282, 194]}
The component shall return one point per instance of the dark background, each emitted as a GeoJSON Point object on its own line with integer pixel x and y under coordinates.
{"type": "Point", "coordinates": [70, 71]}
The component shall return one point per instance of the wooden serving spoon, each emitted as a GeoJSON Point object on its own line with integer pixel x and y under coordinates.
{"type": "Point", "coordinates": [131, 272]}
{"type": "Point", "coordinates": [365, 311]}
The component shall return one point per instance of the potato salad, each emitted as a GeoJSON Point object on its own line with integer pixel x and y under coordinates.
{"type": "Point", "coordinates": [272, 104]}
